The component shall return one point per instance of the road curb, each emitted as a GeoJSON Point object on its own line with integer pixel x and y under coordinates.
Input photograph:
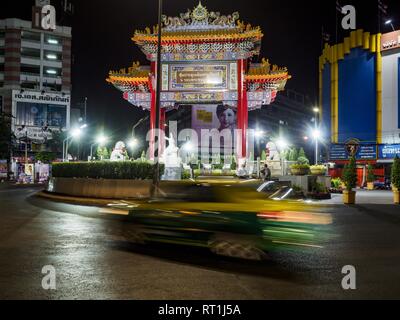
{"type": "Point", "coordinates": [75, 200]}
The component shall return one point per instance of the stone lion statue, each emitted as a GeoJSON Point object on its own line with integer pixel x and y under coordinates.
{"type": "Point", "coordinates": [119, 153]}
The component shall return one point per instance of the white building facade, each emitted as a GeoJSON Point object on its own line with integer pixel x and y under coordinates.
{"type": "Point", "coordinates": [35, 79]}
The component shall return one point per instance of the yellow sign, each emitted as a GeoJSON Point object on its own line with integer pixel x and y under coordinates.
{"type": "Point", "coordinates": [195, 77]}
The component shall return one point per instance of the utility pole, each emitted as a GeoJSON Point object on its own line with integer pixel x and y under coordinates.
{"type": "Point", "coordinates": [156, 179]}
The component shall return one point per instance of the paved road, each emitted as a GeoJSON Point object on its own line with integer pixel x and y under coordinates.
{"type": "Point", "coordinates": [365, 197]}
{"type": "Point", "coordinates": [92, 263]}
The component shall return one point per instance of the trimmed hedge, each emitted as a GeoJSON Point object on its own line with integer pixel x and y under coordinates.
{"type": "Point", "coordinates": [130, 170]}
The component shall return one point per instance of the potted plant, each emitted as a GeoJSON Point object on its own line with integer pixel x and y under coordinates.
{"type": "Point", "coordinates": [300, 169]}
{"type": "Point", "coordinates": [370, 178]}
{"type": "Point", "coordinates": [318, 170]}
{"type": "Point", "coordinates": [350, 181]}
{"type": "Point", "coordinates": [396, 179]}
{"type": "Point", "coordinates": [320, 192]}
{"type": "Point", "coordinates": [336, 186]}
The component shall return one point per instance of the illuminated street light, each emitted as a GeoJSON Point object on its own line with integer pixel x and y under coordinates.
{"type": "Point", "coordinates": [132, 143]}
{"type": "Point", "coordinates": [390, 22]}
{"type": "Point", "coordinates": [316, 110]}
{"type": "Point", "coordinates": [259, 133]}
{"type": "Point", "coordinates": [282, 144]}
{"type": "Point", "coordinates": [316, 134]}
{"type": "Point", "coordinates": [76, 133]}
{"type": "Point", "coordinates": [100, 140]}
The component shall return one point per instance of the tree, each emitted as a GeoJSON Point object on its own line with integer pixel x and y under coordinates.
{"type": "Point", "coordinates": [143, 157]}
{"type": "Point", "coordinates": [302, 153]}
{"type": "Point", "coordinates": [263, 155]}
{"type": "Point", "coordinates": [46, 157]}
{"type": "Point", "coordinates": [370, 174]}
{"type": "Point", "coordinates": [293, 155]}
{"type": "Point", "coordinates": [103, 153]}
{"type": "Point", "coordinates": [234, 163]}
{"type": "Point", "coordinates": [396, 173]}
{"type": "Point", "coordinates": [302, 158]}
{"type": "Point", "coordinates": [350, 174]}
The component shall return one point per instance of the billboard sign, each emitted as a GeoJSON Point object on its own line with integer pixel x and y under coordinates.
{"type": "Point", "coordinates": [192, 77]}
{"type": "Point", "coordinates": [38, 97]}
{"type": "Point", "coordinates": [345, 151]}
{"type": "Point", "coordinates": [389, 151]}
{"type": "Point", "coordinates": [35, 134]}
{"type": "Point", "coordinates": [215, 120]}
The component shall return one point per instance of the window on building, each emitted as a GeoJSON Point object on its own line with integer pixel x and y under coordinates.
{"type": "Point", "coordinates": [30, 36]}
{"type": "Point", "coordinates": [30, 85]}
{"type": "Point", "coordinates": [52, 56]}
{"type": "Point", "coordinates": [52, 86]}
{"type": "Point", "coordinates": [52, 40]}
{"type": "Point", "coordinates": [30, 70]}
{"type": "Point", "coordinates": [30, 53]}
{"type": "Point", "coordinates": [41, 115]}
{"type": "Point", "coordinates": [52, 72]}
{"type": "Point", "coordinates": [1, 67]}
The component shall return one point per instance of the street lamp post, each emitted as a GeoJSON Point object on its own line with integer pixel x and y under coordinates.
{"type": "Point", "coordinates": [74, 134]}
{"type": "Point", "coordinates": [132, 145]}
{"type": "Point", "coordinates": [156, 178]}
{"type": "Point", "coordinates": [390, 22]}
{"type": "Point", "coordinates": [137, 125]}
{"type": "Point", "coordinates": [316, 133]}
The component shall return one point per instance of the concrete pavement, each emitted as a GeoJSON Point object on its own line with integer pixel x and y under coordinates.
{"type": "Point", "coordinates": [365, 197]}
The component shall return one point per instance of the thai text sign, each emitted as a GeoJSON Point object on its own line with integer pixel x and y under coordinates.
{"type": "Point", "coordinates": [186, 77]}
{"type": "Point", "coordinates": [389, 151]}
{"type": "Point", "coordinates": [364, 152]}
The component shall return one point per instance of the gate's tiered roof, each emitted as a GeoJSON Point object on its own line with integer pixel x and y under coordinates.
{"type": "Point", "coordinates": [201, 35]}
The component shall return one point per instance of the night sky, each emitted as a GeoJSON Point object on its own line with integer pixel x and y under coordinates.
{"type": "Point", "coordinates": [102, 32]}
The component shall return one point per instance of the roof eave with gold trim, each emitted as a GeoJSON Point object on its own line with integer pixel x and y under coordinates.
{"type": "Point", "coordinates": [135, 74]}
{"type": "Point", "coordinates": [255, 35]}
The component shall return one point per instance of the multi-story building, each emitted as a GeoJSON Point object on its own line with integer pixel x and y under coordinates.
{"type": "Point", "coordinates": [359, 90]}
{"type": "Point", "coordinates": [35, 80]}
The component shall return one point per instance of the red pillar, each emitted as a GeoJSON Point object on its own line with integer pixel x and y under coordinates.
{"type": "Point", "coordinates": [245, 110]}
{"type": "Point", "coordinates": [242, 111]}
{"type": "Point", "coordinates": [153, 87]}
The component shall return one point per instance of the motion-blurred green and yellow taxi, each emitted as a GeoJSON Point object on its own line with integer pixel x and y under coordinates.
{"type": "Point", "coordinates": [230, 218]}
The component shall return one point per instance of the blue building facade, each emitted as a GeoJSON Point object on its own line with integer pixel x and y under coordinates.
{"type": "Point", "coordinates": [359, 105]}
